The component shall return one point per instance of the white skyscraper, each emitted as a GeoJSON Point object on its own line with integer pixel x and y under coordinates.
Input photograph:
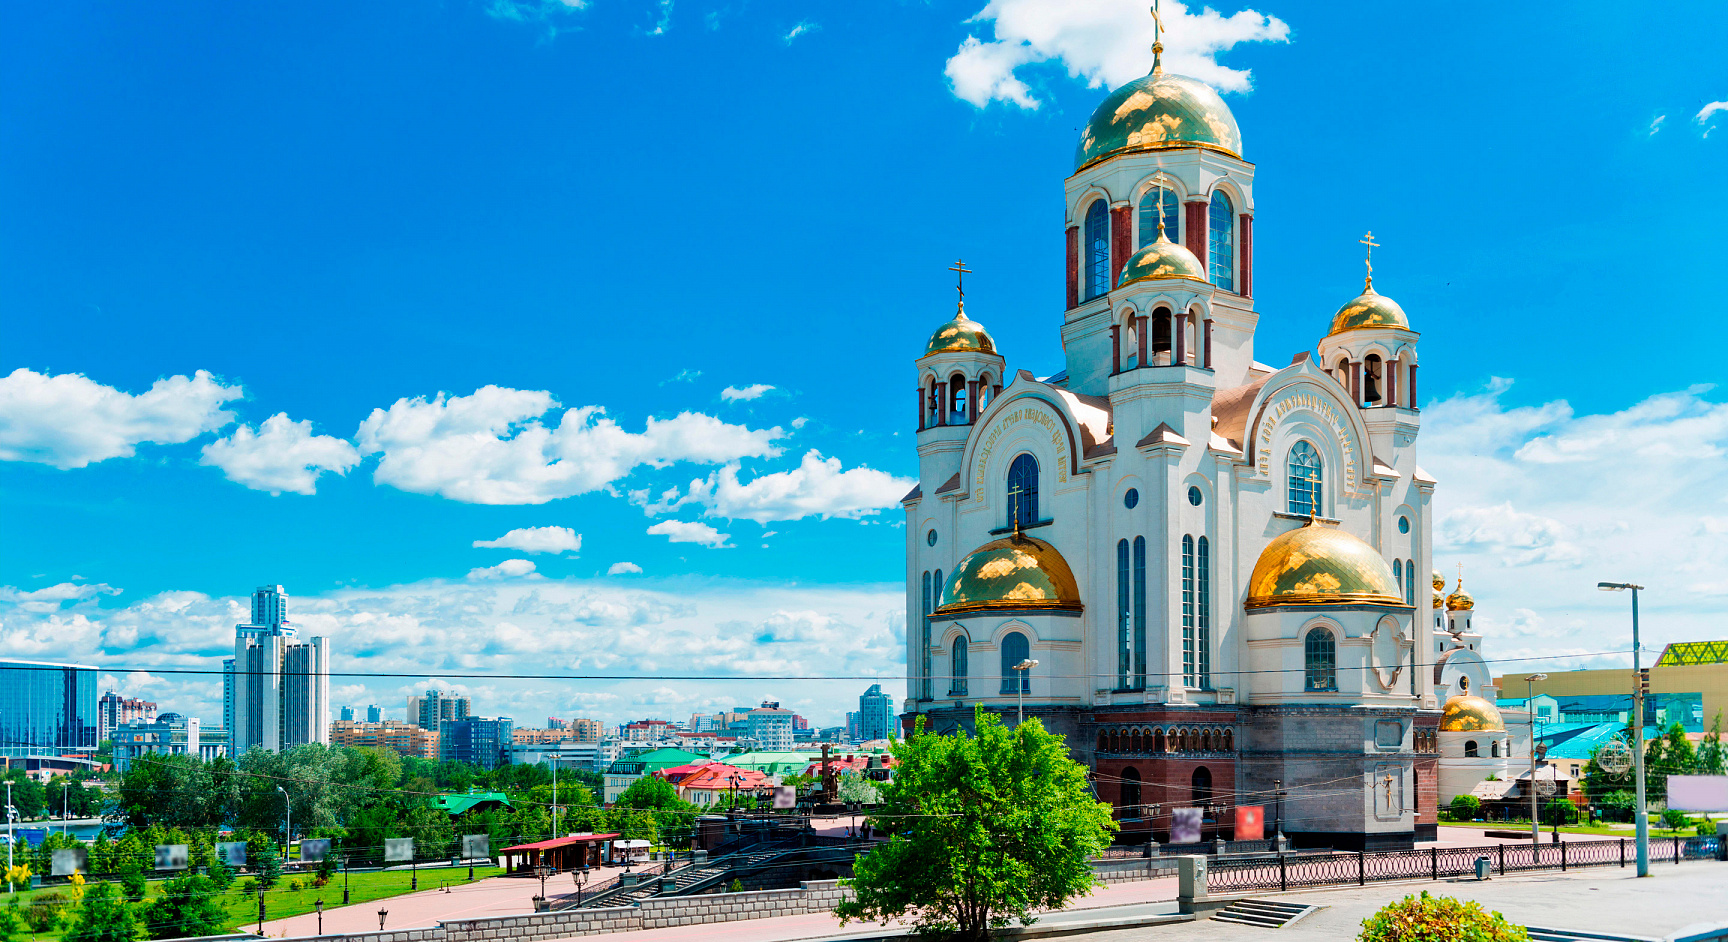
{"type": "Point", "coordinates": [276, 691]}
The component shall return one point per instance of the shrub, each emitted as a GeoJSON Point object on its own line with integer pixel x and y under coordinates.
{"type": "Point", "coordinates": [736, 886]}
{"type": "Point", "coordinates": [1465, 807]}
{"type": "Point", "coordinates": [1560, 811]}
{"type": "Point", "coordinates": [1438, 919]}
{"type": "Point", "coordinates": [45, 912]}
{"type": "Point", "coordinates": [134, 885]}
{"type": "Point", "coordinates": [295, 886]}
{"type": "Point", "coordinates": [1673, 819]}
{"type": "Point", "coordinates": [11, 921]}
{"type": "Point", "coordinates": [249, 886]}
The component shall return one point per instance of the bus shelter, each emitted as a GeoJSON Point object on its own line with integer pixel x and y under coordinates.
{"type": "Point", "coordinates": [574, 852]}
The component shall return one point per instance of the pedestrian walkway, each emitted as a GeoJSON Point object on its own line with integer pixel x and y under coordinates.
{"type": "Point", "coordinates": [496, 896]}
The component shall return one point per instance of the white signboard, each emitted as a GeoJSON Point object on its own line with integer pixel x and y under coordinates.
{"type": "Point", "coordinates": [171, 856]}
{"type": "Point", "coordinates": [398, 849]}
{"type": "Point", "coordinates": [1698, 792]}
{"type": "Point", "coordinates": [232, 853]}
{"type": "Point", "coordinates": [785, 796]}
{"type": "Point", "coordinates": [314, 851]}
{"type": "Point", "coordinates": [475, 845]}
{"type": "Point", "coordinates": [70, 860]}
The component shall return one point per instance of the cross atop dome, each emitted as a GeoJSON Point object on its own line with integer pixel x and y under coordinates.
{"type": "Point", "coordinates": [1368, 259]}
{"type": "Point", "coordinates": [1157, 41]}
{"type": "Point", "coordinates": [961, 271]}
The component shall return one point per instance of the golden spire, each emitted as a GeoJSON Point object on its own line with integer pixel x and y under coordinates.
{"type": "Point", "coordinates": [959, 267]}
{"type": "Point", "coordinates": [1157, 41]}
{"type": "Point", "coordinates": [1368, 286]}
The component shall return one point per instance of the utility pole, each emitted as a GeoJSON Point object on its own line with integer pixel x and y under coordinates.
{"type": "Point", "coordinates": [11, 836]}
{"type": "Point", "coordinates": [287, 824]}
{"type": "Point", "coordinates": [1530, 710]}
{"type": "Point", "coordinates": [1641, 816]}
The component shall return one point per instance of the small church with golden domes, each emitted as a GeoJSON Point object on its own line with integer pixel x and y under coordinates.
{"type": "Point", "coordinates": [1213, 561]}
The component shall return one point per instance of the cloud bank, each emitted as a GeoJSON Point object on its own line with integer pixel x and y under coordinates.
{"type": "Point", "coordinates": [69, 421]}
{"type": "Point", "coordinates": [283, 455]}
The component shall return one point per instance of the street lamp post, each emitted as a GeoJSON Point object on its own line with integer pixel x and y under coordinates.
{"type": "Point", "coordinates": [1020, 687]}
{"type": "Point", "coordinates": [65, 807]}
{"type": "Point", "coordinates": [11, 835]}
{"type": "Point", "coordinates": [1530, 709]}
{"type": "Point", "coordinates": [344, 879]}
{"type": "Point", "coordinates": [287, 824]}
{"type": "Point", "coordinates": [1641, 817]}
{"type": "Point", "coordinates": [319, 905]}
{"type": "Point", "coordinates": [381, 914]}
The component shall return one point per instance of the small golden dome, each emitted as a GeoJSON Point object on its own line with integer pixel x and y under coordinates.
{"type": "Point", "coordinates": [1013, 572]}
{"type": "Point", "coordinates": [1369, 309]}
{"type": "Point", "coordinates": [1156, 112]}
{"type": "Point", "coordinates": [1460, 600]}
{"type": "Point", "coordinates": [1439, 581]}
{"type": "Point", "coordinates": [960, 335]}
{"type": "Point", "coordinates": [1319, 564]}
{"type": "Point", "coordinates": [1439, 599]}
{"type": "Point", "coordinates": [1161, 259]}
{"type": "Point", "coordinates": [1467, 714]}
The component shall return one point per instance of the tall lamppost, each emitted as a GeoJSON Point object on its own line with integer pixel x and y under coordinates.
{"type": "Point", "coordinates": [11, 835]}
{"type": "Point", "coordinates": [1641, 817]}
{"type": "Point", "coordinates": [1530, 709]}
{"type": "Point", "coordinates": [1020, 686]}
{"type": "Point", "coordinates": [287, 823]}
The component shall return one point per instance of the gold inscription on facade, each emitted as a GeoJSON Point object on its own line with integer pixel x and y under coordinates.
{"type": "Point", "coordinates": [1320, 407]}
{"type": "Point", "coordinates": [1013, 422]}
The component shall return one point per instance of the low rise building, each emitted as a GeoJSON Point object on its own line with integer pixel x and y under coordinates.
{"type": "Point", "coordinates": [171, 734]}
{"type": "Point", "coordinates": [622, 773]}
{"type": "Point", "coordinates": [771, 727]}
{"type": "Point", "coordinates": [477, 740]}
{"type": "Point", "coordinates": [580, 756]}
{"type": "Point", "coordinates": [403, 738]}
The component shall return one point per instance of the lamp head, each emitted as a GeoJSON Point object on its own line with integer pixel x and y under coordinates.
{"type": "Point", "coordinates": [1609, 586]}
{"type": "Point", "coordinates": [1536, 677]}
{"type": "Point", "coordinates": [1026, 665]}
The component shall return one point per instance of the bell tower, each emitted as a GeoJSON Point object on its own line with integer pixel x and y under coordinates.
{"type": "Point", "coordinates": [959, 375]}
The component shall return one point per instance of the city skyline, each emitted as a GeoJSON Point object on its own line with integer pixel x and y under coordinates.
{"type": "Point", "coordinates": [412, 432]}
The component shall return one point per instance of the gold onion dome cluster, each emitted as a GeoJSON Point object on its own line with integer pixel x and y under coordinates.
{"type": "Point", "coordinates": [1369, 309]}
{"type": "Point", "coordinates": [1161, 258]}
{"type": "Point", "coordinates": [1469, 714]}
{"type": "Point", "coordinates": [1460, 600]}
{"type": "Point", "coordinates": [1439, 590]}
{"type": "Point", "coordinates": [1013, 572]}
{"type": "Point", "coordinates": [1156, 112]}
{"type": "Point", "coordinates": [1319, 564]}
{"type": "Point", "coordinates": [960, 335]}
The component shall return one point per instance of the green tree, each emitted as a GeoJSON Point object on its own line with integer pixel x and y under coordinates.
{"type": "Point", "coordinates": [1465, 807]}
{"type": "Point", "coordinates": [1438, 919]}
{"type": "Point", "coordinates": [221, 875]}
{"type": "Point", "coordinates": [1712, 759]}
{"type": "Point", "coordinates": [46, 911]}
{"type": "Point", "coordinates": [27, 794]}
{"type": "Point", "coordinates": [674, 818]}
{"type": "Point", "coordinates": [268, 863]}
{"type": "Point", "coordinates": [187, 908]}
{"type": "Point", "coordinates": [1560, 811]}
{"type": "Point", "coordinates": [11, 921]}
{"type": "Point", "coordinates": [103, 917]}
{"type": "Point", "coordinates": [855, 787]}
{"type": "Point", "coordinates": [1668, 754]}
{"type": "Point", "coordinates": [134, 886]}
{"type": "Point", "coordinates": [985, 829]}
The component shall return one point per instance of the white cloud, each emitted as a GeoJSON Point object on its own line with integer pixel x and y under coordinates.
{"type": "Point", "coordinates": [69, 420]}
{"type": "Point", "coordinates": [283, 455]}
{"type": "Point", "coordinates": [804, 26]}
{"type": "Point", "coordinates": [492, 447]}
{"type": "Point", "coordinates": [1656, 125]}
{"type": "Point", "coordinates": [622, 568]}
{"type": "Point", "coordinates": [1103, 42]}
{"type": "Point", "coordinates": [547, 14]}
{"type": "Point", "coordinates": [684, 376]}
{"type": "Point", "coordinates": [817, 487]}
{"type": "Point", "coordinates": [679, 531]}
{"type": "Point", "coordinates": [1707, 112]}
{"type": "Point", "coordinates": [1540, 502]}
{"type": "Point", "coordinates": [536, 540]}
{"type": "Point", "coordinates": [55, 597]}
{"type": "Point", "coordinates": [665, 19]}
{"type": "Point", "coordinates": [508, 569]}
{"type": "Point", "coordinates": [737, 393]}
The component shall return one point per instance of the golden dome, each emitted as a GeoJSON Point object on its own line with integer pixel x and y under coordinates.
{"type": "Point", "coordinates": [1439, 581]}
{"type": "Point", "coordinates": [1439, 598]}
{"type": "Point", "coordinates": [1157, 112]}
{"type": "Point", "coordinates": [1460, 600]}
{"type": "Point", "coordinates": [960, 335]}
{"type": "Point", "coordinates": [1369, 309]}
{"type": "Point", "coordinates": [1467, 714]}
{"type": "Point", "coordinates": [1319, 564]}
{"type": "Point", "coordinates": [1013, 572]}
{"type": "Point", "coordinates": [1161, 259]}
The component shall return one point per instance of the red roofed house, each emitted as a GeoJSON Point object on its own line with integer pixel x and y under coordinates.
{"type": "Point", "coordinates": [706, 786]}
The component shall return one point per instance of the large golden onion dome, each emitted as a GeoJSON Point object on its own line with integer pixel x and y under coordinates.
{"type": "Point", "coordinates": [1157, 112]}
{"type": "Point", "coordinates": [1369, 309]}
{"type": "Point", "coordinates": [960, 335]}
{"type": "Point", "coordinates": [1319, 564]}
{"type": "Point", "coordinates": [1014, 572]}
{"type": "Point", "coordinates": [1460, 600]}
{"type": "Point", "coordinates": [1161, 258]}
{"type": "Point", "coordinates": [1468, 714]}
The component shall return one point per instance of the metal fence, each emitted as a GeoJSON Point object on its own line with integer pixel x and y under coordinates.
{"type": "Point", "coordinates": [1282, 872]}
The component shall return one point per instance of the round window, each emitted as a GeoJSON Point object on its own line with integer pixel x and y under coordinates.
{"type": "Point", "coordinates": [930, 538]}
{"type": "Point", "coordinates": [1403, 524]}
{"type": "Point", "coordinates": [1131, 499]}
{"type": "Point", "coordinates": [1194, 495]}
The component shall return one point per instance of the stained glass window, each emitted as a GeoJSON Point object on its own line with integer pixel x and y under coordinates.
{"type": "Point", "coordinates": [1223, 242]}
{"type": "Point", "coordinates": [1305, 479]}
{"type": "Point", "coordinates": [1097, 250]}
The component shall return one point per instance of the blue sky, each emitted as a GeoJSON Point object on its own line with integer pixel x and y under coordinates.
{"type": "Point", "coordinates": [636, 206]}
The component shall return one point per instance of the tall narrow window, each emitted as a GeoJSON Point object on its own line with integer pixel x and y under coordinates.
{"type": "Point", "coordinates": [1131, 344]}
{"type": "Point", "coordinates": [957, 399]}
{"type": "Point", "coordinates": [1015, 649]}
{"type": "Point", "coordinates": [1320, 659]}
{"type": "Point", "coordinates": [1097, 250]}
{"type": "Point", "coordinates": [1201, 785]}
{"type": "Point", "coordinates": [957, 662]}
{"type": "Point", "coordinates": [927, 691]}
{"type": "Point", "coordinates": [1130, 807]}
{"type": "Point", "coordinates": [1305, 476]}
{"type": "Point", "coordinates": [1223, 242]}
{"type": "Point", "coordinates": [1203, 612]}
{"type": "Point", "coordinates": [1124, 614]}
{"type": "Point", "coordinates": [1398, 574]}
{"type": "Point", "coordinates": [1410, 581]}
{"type": "Point", "coordinates": [1023, 491]}
{"type": "Point", "coordinates": [1187, 610]}
{"type": "Point", "coordinates": [1149, 205]}
{"type": "Point", "coordinates": [1139, 613]}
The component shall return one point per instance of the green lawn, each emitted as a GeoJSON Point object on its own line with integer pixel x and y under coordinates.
{"type": "Point", "coordinates": [281, 901]}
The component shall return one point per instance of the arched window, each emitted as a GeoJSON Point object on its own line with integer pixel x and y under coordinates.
{"type": "Point", "coordinates": [1320, 660]}
{"type": "Point", "coordinates": [926, 687]}
{"type": "Point", "coordinates": [1373, 379]}
{"type": "Point", "coordinates": [1015, 649]}
{"type": "Point", "coordinates": [1103, 741]}
{"type": "Point", "coordinates": [958, 662]}
{"type": "Point", "coordinates": [1201, 783]}
{"type": "Point", "coordinates": [1124, 613]}
{"type": "Point", "coordinates": [1188, 610]}
{"type": "Point", "coordinates": [1494, 749]}
{"type": "Point", "coordinates": [957, 399]}
{"type": "Point", "coordinates": [1134, 741]}
{"type": "Point", "coordinates": [983, 391]}
{"type": "Point", "coordinates": [1139, 613]}
{"type": "Point", "coordinates": [1410, 583]}
{"type": "Point", "coordinates": [1229, 740]}
{"type": "Point", "coordinates": [1398, 574]}
{"type": "Point", "coordinates": [1131, 343]}
{"type": "Point", "coordinates": [1150, 203]}
{"type": "Point", "coordinates": [1203, 612]}
{"type": "Point", "coordinates": [1023, 491]}
{"type": "Point", "coordinates": [1223, 242]}
{"type": "Point", "coordinates": [1131, 792]}
{"type": "Point", "coordinates": [1097, 250]}
{"type": "Point", "coordinates": [1161, 342]}
{"type": "Point", "coordinates": [1305, 476]}
{"type": "Point", "coordinates": [1470, 749]}
{"type": "Point", "coordinates": [1158, 740]}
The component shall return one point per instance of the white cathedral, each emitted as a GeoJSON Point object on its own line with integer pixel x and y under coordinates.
{"type": "Point", "coordinates": [1214, 561]}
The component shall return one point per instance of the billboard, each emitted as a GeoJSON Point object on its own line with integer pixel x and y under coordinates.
{"type": "Point", "coordinates": [1185, 826]}
{"type": "Point", "coordinates": [70, 860]}
{"type": "Point", "coordinates": [1250, 823]}
{"type": "Point", "coordinates": [232, 853]}
{"type": "Point", "coordinates": [398, 849]}
{"type": "Point", "coordinates": [785, 796]}
{"type": "Point", "coordinates": [171, 856]}
{"type": "Point", "coordinates": [1698, 792]}
{"type": "Point", "coordinates": [476, 845]}
{"type": "Point", "coordinates": [314, 851]}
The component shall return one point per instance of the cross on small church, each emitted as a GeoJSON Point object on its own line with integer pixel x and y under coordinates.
{"type": "Point", "coordinates": [961, 271]}
{"type": "Point", "coordinates": [1157, 40]}
{"type": "Point", "coordinates": [1368, 257]}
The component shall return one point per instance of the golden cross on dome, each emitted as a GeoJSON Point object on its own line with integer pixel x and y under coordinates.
{"type": "Point", "coordinates": [961, 271]}
{"type": "Point", "coordinates": [1157, 40]}
{"type": "Point", "coordinates": [1368, 259]}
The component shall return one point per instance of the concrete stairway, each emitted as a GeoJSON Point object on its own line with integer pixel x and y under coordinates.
{"type": "Point", "coordinates": [1265, 913]}
{"type": "Point", "coordinates": [1539, 934]}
